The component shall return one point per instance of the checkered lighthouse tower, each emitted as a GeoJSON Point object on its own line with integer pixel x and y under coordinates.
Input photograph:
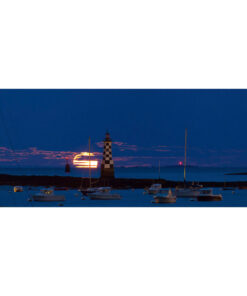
{"type": "Point", "coordinates": [107, 165]}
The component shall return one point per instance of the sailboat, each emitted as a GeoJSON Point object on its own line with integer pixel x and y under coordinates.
{"type": "Point", "coordinates": [88, 190]}
{"type": "Point", "coordinates": [155, 188]}
{"type": "Point", "coordinates": [195, 191]}
{"type": "Point", "coordinates": [97, 193]}
{"type": "Point", "coordinates": [186, 191]}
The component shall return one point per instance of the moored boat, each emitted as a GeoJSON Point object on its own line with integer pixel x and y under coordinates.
{"type": "Point", "coordinates": [154, 189]}
{"type": "Point", "coordinates": [187, 192]}
{"type": "Point", "coordinates": [18, 189]}
{"type": "Point", "coordinates": [104, 196]}
{"type": "Point", "coordinates": [196, 186]}
{"type": "Point", "coordinates": [87, 191]}
{"type": "Point", "coordinates": [170, 198]}
{"type": "Point", "coordinates": [91, 190]}
{"type": "Point", "coordinates": [47, 195]}
{"type": "Point", "coordinates": [208, 195]}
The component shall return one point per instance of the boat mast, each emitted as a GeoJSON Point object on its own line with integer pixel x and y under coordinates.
{"type": "Point", "coordinates": [90, 172]}
{"type": "Point", "coordinates": [185, 155]}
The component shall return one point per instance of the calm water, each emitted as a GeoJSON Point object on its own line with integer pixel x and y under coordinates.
{"type": "Point", "coordinates": [130, 198]}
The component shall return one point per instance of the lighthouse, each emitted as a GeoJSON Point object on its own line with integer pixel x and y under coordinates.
{"type": "Point", "coordinates": [107, 165]}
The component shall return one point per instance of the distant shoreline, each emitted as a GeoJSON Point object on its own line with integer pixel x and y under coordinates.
{"type": "Point", "coordinates": [236, 174]}
{"type": "Point", "coordinates": [118, 183]}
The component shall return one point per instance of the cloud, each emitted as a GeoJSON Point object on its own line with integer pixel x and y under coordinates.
{"type": "Point", "coordinates": [125, 147]}
{"type": "Point", "coordinates": [161, 146]}
{"type": "Point", "coordinates": [35, 155]}
{"type": "Point", "coordinates": [122, 146]}
{"type": "Point", "coordinates": [100, 144]}
{"type": "Point", "coordinates": [137, 164]}
{"type": "Point", "coordinates": [129, 155]}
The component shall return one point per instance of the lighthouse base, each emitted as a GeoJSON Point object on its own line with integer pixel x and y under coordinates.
{"type": "Point", "coordinates": [107, 173]}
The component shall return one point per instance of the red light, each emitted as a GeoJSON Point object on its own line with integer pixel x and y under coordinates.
{"type": "Point", "coordinates": [180, 163]}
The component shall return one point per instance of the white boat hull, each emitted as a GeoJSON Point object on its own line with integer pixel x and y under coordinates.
{"type": "Point", "coordinates": [154, 189]}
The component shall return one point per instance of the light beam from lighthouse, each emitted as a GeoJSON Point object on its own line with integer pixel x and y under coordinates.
{"type": "Point", "coordinates": [107, 165]}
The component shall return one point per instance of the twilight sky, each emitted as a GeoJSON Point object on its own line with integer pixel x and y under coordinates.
{"type": "Point", "coordinates": [45, 126]}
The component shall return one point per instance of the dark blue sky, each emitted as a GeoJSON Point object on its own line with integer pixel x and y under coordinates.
{"type": "Point", "coordinates": [140, 120]}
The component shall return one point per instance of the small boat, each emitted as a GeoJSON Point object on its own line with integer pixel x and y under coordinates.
{"type": "Point", "coordinates": [207, 195]}
{"type": "Point", "coordinates": [196, 186]}
{"type": "Point", "coordinates": [187, 192]}
{"type": "Point", "coordinates": [88, 191]}
{"type": "Point", "coordinates": [91, 190]}
{"type": "Point", "coordinates": [104, 196]}
{"type": "Point", "coordinates": [104, 189]}
{"type": "Point", "coordinates": [18, 189]}
{"type": "Point", "coordinates": [154, 189]}
{"type": "Point", "coordinates": [170, 198]}
{"type": "Point", "coordinates": [48, 195]}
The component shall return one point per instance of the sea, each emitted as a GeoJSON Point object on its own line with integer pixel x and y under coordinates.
{"type": "Point", "coordinates": [130, 198]}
